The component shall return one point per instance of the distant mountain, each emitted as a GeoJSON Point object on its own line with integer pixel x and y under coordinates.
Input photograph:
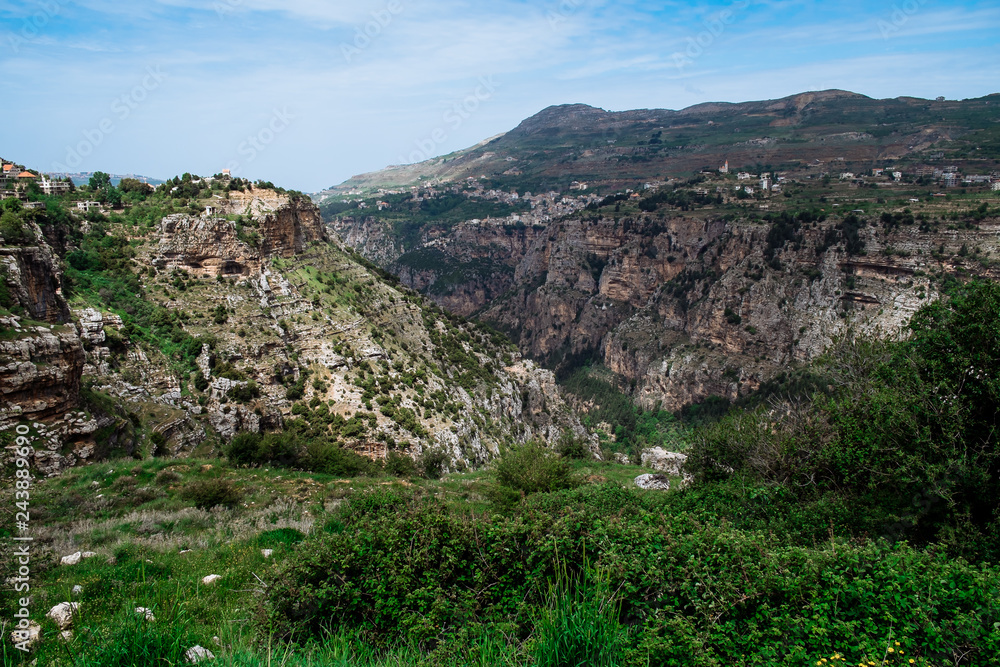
{"type": "Point", "coordinates": [81, 178]}
{"type": "Point", "coordinates": [576, 142]}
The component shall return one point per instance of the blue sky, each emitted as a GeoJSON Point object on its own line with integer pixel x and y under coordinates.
{"type": "Point", "coordinates": [306, 93]}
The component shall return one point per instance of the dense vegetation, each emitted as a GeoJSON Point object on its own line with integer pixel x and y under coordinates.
{"type": "Point", "coordinates": [860, 515]}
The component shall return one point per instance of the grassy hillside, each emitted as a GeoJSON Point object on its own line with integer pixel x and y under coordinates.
{"type": "Point", "coordinates": [855, 523]}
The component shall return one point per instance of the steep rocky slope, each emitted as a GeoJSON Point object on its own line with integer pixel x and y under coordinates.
{"type": "Point", "coordinates": [689, 305]}
{"type": "Point", "coordinates": [247, 318]}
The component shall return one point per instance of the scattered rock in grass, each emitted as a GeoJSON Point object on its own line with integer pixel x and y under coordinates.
{"type": "Point", "coordinates": [206, 467]}
{"type": "Point", "coordinates": [66, 635]}
{"type": "Point", "coordinates": [197, 654]}
{"type": "Point", "coordinates": [72, 559]}
{"type": "Point", "coordinates": [653, 482]}
{"type": "Point", "coordinates": [267, 552]}
{"type": "Point", "coordinates": [88, 554]}
{"type": "Point", "coordinates": [211, 579]}
{"type": "Point", "coordinates": [148, 613]}
{"type": "Point", "coordinates": [77, 590]}
{"type": "Point", "coordinates": [28, 637]}
{"type": "Point", "coordinates": [186, 551]}
{"type": "Point", "coordinates": [62, 614]}
{"type": "Point", "coordinates": [657, 458]}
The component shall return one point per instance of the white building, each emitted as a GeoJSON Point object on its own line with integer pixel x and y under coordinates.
{"type": "Point", "coordinates": [87, 206]}
{"type": "Point", "coordinates": [724, 169]}
{"type": "Point", "coordinates": [743, 176]}
{"type": "Point", "coordinates": [897, 176]}
{"type": "Point", "coordinates": [765, 183]}
{"type": "Point", "coordinates": [54, 187]}
{"type": "Point", "coordinates": [996, 187]}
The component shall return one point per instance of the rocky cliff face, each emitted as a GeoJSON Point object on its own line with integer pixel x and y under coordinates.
{"type": "Point", "coordinates": [269, 225]}
{"type": "Point", "coordinates": [689, 306]}
{"type": "Point", "coordinates": [33, 280]}
{"type": "Point", "coordinates": [40, 364]}
{"type": "Point", "coordinates": [464, 267]}
{"type": "Point", "coordinates": [40, 370]}
{"type": "Point", "coordinates": [299, 329]}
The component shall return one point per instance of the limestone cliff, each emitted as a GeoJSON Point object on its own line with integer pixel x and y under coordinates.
{"type": "Point", "coordinates": [235, 237]}
{"type": "Point", "coordinates": [689, 306]}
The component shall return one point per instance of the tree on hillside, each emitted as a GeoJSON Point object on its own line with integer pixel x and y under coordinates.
{"type": "Point", "coordinates": [99, 181]}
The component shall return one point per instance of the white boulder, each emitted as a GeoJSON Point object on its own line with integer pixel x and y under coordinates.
{"type": "Point", "coordinates": [197, 654]}
{"type": "Point", "coordinates": [62, 614]}
{"type": "Point", "coordinates": [653, 482]}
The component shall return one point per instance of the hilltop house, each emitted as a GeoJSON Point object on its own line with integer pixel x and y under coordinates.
{"type": "Point", "coordinates": [743, 176]}
{"type": "Point", "coordinates": [54, 187]}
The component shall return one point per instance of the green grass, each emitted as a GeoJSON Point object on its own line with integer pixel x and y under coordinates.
{"type": "Point", "coordinates": [145, 520]}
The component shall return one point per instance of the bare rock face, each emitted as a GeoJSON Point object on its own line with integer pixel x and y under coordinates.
{"type": "Point", "coordinates": [670, 463]}
{"type": "Point", "coordinates": [40, 371]}
{"type": "Point", "coordinates": [214, 245]}
{"type": "Point", "coordinates": [683, 306]}
{"type": "Point", "coordinates": [62, 614]}
{"type": "Point", "coordinates": [34, 281]}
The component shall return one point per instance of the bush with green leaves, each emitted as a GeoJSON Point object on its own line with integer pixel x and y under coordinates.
{"type": "Point", "coordinates": [909, 431]}
{"type": "Point", "coordinates": [208, 493]}
{"type": "Point", "coordinates": [532, 468]}
{"type": "Point", "coordinates": [692, 587]}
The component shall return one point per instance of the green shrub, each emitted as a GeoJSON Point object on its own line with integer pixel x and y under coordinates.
{"type": "Point", "coordinates": [400, 465]}
{"type": "Point", "coordinates": [573, 447]}
{"type": "Point", "coordinates": [433, 463]}
{"type": "Point", "coordinates": [209, 493]}
{"type": "Point", "coordinates": [692, 588]}
{"type": "Point", "coordinates": [244, 449]}
{"type": "Point", "coordinates": [532, 468]}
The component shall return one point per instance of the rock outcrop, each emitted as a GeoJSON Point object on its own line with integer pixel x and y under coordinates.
{"type": "Point", "coordinates": [34, 282]}
{"type": "Point", "coordinates": [238, 236]}
{"type": "Point", "coordinates": [689, 306]}
{"type": "Point", "coordinates": [40, 371]}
